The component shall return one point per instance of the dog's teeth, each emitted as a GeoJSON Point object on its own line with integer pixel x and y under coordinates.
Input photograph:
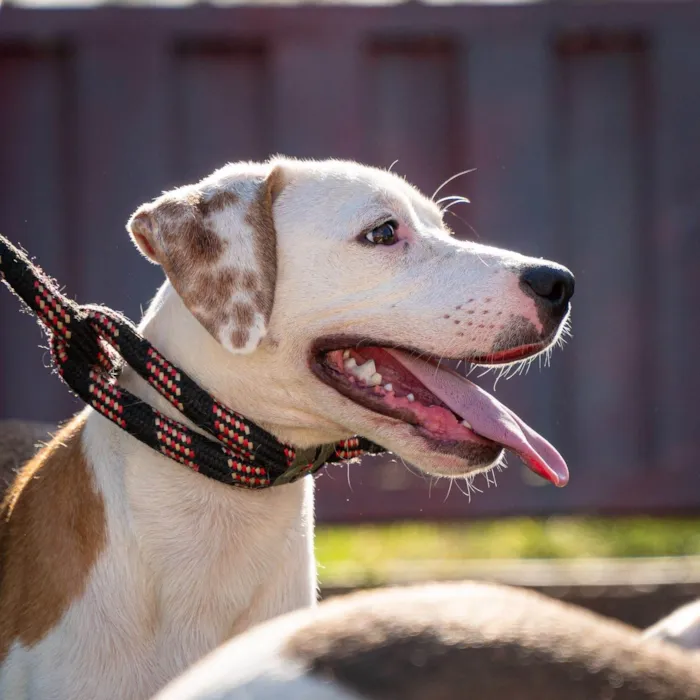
{"type": "Point", "coordinates": [388, 387]}
{"type": "Point", "coordinates": [366, 371]}
{"type": "Point", "coordinates": [346, 354]}
{"type": "Point", "coordinates": [410, 397]}
{"type": "Point", "coordinates": [367, 366]}
{"type": "Point", "coordinates": [375, 379]}
{"type": "Point", "coordinates": [350, 364]}
{"type": "Point", "coordinates": [466, 424]}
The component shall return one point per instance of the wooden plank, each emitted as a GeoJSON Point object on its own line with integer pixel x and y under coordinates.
{"type": "Point", "coordinates": [221, 106]}
{"type": "Point", "coordinates": [411, 109]}
{"type": "Point", "coordinates": [250, 21]}
{"type": "Point", "coordinates": [602, 150]}
{"type": "Point", "coordinates": [675, 335]}
{"type": "Point", "coordinates": [33, 213]}
{"type": "Point", "coordinates": [316, 101]}
{"type": "Point", "coordinates": [123, 137]}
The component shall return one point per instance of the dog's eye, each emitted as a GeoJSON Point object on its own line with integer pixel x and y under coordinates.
{"type": "Point", "coordinates": [384, 234]}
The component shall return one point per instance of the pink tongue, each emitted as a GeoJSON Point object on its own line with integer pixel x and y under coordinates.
{"type": "Point", "coordinates": [488, 417]}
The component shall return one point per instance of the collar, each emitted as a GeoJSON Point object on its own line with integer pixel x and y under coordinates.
{"type": "Point", "coordinates": [91, 344]}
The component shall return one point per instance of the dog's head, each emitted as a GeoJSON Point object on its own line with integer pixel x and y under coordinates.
{"type": "Point", "coordinates": [344, 289]}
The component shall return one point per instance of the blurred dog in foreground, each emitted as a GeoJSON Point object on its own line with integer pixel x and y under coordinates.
{"type": "Point", "coordinates": [318, 301]}
{"type": "Point", "coordinates": [442, 642]}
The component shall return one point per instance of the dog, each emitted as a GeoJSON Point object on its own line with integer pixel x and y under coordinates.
{"type": "Point", "coordinates": [316, 299]}
{"type": "Point", "coordinates": [442, 642]}
{"type": "Point", "coordinates": [18, 444]}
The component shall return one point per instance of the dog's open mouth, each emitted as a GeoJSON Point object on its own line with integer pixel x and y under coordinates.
{"type": "Point", "coordinates": [443, 406]}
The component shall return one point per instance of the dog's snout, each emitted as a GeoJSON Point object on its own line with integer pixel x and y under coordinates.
{"type": "Point", "coordinates": [551, 285]}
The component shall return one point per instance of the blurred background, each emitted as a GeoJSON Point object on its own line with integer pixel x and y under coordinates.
{"type": "Point", "coordinates": [582, 120]}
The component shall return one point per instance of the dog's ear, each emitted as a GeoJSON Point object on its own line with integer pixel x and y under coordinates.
{"type": "Point", "coordinates": [216, 242]}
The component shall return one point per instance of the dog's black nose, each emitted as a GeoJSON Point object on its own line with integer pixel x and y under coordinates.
{"type": "Point", "coordinates": [552, 286]}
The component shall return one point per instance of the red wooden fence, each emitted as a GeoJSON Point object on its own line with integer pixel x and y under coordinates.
{"type": "Point", "coordinates": [583, 121]}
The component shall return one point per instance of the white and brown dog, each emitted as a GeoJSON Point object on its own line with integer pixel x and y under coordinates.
{"type": "Point", "coordinates": [315, 298]}
{"type": "Point", "coordinates": [442, 642]}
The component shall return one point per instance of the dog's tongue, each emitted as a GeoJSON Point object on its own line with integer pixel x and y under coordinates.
{"type": "Point", "coordinates": [488, 417]}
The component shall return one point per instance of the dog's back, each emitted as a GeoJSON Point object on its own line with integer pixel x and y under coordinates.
{"type": "Point", "coordinates": [443, 642]}
{"type": "Point", "coordinates": [19, 441]}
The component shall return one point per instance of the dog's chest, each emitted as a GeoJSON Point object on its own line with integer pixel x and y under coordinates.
{"type": "Point", "coordinates": [185, 567]}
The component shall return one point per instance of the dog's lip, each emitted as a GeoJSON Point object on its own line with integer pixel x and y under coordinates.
{"type": "Point", "coordinates": [327, 344]}
{"type": "Point", "coordinates": [494, 424]}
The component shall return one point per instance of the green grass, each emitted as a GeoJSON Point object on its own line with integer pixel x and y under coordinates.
{"type": "Point", "coordinates": [367, 552]}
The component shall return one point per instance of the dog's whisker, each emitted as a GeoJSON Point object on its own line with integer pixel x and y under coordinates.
{"type": "Point", "coordinates": [450, 179]}
{"type": "Point", "coordinates": [461, 490]}
{"type": "Point", "coordinates": [452, 199]}
{"type": "Point", "coordinates": [449, 488]}
{"type": "Point", "coordinates": [464, 221]}
{"type": "Point", "coordinates": [449, 206]}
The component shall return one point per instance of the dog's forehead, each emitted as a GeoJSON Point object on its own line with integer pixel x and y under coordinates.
{"type": "Point", "coordinates": [352, 194]}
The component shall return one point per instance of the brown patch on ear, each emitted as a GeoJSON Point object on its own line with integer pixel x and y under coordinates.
{"type": "Point", "coordinates": [189, 241]}
{"type": "Point", "coordinates": [239, 337]}
{"type": "Point", "coordinates": [243, 315]}
{"type": "Point", "coordinates": [206, 247]}
{"type": "Point", "coordinates": [218, 202]}
{"type": "Point", "coordinates": [260, 218]}
{"type": "Point", "coordinates": [52, 531]}
{"type": "Point", "coordinates": [211, 294]}
{"type": "Point", "coordinates": [179, 231]}
{"type": "Point", "coordinates": [173, 232]}
{"type": "Point", "coordinates": [276, 182]}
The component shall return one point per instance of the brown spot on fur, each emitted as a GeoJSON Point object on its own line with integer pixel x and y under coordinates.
{"type": "Point", "coordinates": [213, 319]}
{"type": "Point", "coordinates": [210, 292]}
{"type": "Point", "coordinates": [243, 314]}
{"type": "Point", "coordinates": [259, 217]}
{"type": "Point", "coordinates": [190, 242]}
{"type": "Point", "coordinates": [239, 337]}
{"type": "Point", "coordinates": [218, 202]}
{"type": "Point", "coordinates": [52, 530]}
{"type": "Point", "coordinates": [207, 247]}
{"type": "Point", "coordinates": [249, 281]}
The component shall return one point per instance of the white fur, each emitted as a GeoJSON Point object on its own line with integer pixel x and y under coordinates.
{"type": "Point", "coordinates": [681, 627]}
{"type": "Point", "coordinates": [189, 562]}
{"type": "Point", "coordinates": [267, 673]}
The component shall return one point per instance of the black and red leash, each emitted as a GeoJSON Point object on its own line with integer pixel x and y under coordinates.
{"type": "Point", "coordinates": [90, 345]}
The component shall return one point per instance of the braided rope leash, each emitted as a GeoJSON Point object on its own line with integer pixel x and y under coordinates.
{"type": "Point", "coordinates": [89, 347]}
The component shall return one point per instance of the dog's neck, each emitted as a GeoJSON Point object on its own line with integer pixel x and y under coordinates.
{"type": "Point", "coordinates": [240, 556]}
{"type": "Point", "coordinates": [259, 386]}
